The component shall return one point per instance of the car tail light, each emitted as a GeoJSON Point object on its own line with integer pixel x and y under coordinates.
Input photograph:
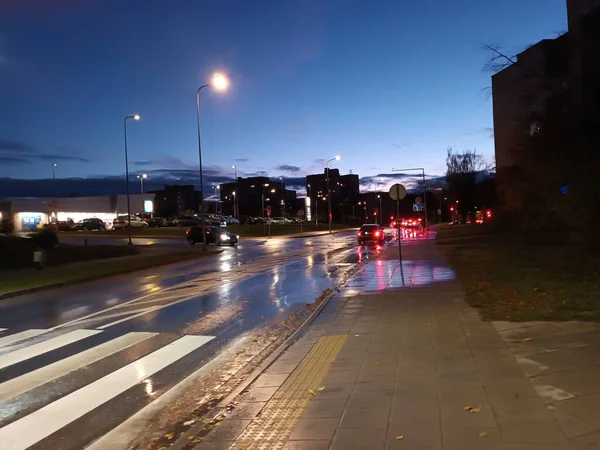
{"type": "Point", "coordinates": [358, 233]}
{"type": "Point", "coordinates": [188, 231]}
{"type": "Point", "coordinates": [377, 234]}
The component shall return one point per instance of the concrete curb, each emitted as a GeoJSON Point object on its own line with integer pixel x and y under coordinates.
{"type": "Point", "coordinates": [94, 277]}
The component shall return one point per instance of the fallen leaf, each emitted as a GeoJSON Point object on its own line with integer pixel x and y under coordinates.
{"type": "Point", "coordinates": [321, 388]}
{"type": "Point", "coordinates": [467, 408]}
{"type": "Point", "coordinates": [475, 410]}
{"type": "Point", "coordinates": [527, 339]}
{"type": "Point", "coordinates": [399, 437]}
{"type": "Point", "coordinates": [206, 421]}
{"type": "Point", "coordinates": [483, 434]}
{"type": "Point", "coordinates": [169, 435]}
{"type": "Point", "coordinates": [311, 392]}
{"type": "Point", "coordinates": [190, 437]}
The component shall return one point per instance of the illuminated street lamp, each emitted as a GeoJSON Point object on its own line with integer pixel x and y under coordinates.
{"type": "Point", "coordinates": [236, 213]}
{"type": "Point", "coordinates": [282, 198]}
{"type": "Point", "coordinates": [380, 210]}
{"type": "Point", "coordinates": [142, 177]}
{"type": "Point", "coordinates": [54, 166]}
{"type": "Point", "coordinates": [134, 117]}
{"type": "Point", "coordinates": [220, 82]}
{"type": "Point", "coordinates": [336, 158]}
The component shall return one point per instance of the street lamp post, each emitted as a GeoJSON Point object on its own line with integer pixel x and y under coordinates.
{"type": "Point", "coordinates": [336, 158]}
{"type": "Point", "coordinates": [134, 117]}
{"type": "Point", "coordinates": [424, 189]}
{"type": "Point", "coordinates": [380, 210]}
{"type": "Point", "coordinates": [54, 165]}
{"type": "Point", "coordinates": [219, 82]}
{"type": "Point", "coordinates": [142, 177]}
{"type": "Point", "coordinates": [236, 212]}
{"type": "Point", "coordinates": [282, 198]}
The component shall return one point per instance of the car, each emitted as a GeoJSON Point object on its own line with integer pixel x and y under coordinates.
{"type": "Point", "coordinates": [156, 222]}
{"type": "Point", "coordinates": [65, 225]}
{"type": "Point", "coordinates": [371, 232]}
{"type": "Point", "coordinates": [186, 221]}
{"type": "Point", "coordinates": [123, 222]}
{"type": "Point", "coordinates": [410, 223]}
{"type": "Point", "coordinates": [90, 225]}
{"type": "Point", "coordinates": [214, 235]}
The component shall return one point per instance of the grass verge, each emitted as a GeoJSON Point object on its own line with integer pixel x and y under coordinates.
{"type": "Point", "coordinates": [13, 282]}
{"type": "Point", "coordinates": [508, 277]}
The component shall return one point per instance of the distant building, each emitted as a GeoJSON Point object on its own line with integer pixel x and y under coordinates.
{"type": "Point", "coordinates": [250, 193]}
{"type": "Point", "coordinates": [176, 200]}
{"type": "Point", "coordinates": [344, 193]}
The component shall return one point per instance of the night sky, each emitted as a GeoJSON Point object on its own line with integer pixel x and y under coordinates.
{"type": "Point", "coordinates": [382, 83]}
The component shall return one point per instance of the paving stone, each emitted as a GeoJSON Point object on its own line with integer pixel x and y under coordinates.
{"type": "Point", "coordinates": [340, 376]}
{"type": "Point", "coordinates": [571, 425]}
{"type": "Point", "coordinates": [336, 391]}
{"type": "Point", "coordinates": [365, 418]}
{"type": "Point", "coordinates": [307, 445]}
{"type": "Point", "coordinates": [408, 442]}
{"type": "Point", "coordinates": [585, 406]}
{"type": "Point", "coordinates": [214, 445]}
{"type": "Point", "coordinates": [420, 429]}
{"type": "Point", "coordinates": [380, 399]}
{"type": "Point", "coordinates": [325, 409]}
{"type": "Point", "coordinates": [580, 381]}
{"type": "Point", "coordinates": [246, 410]}
{"type": "Point", "coordinates": [360, 439]}
{"type": "Point", "coordinates": [519, 408]}
{"type": "Point", "coordinates": [588, 442]}
{"type": "Point", "coordinates": [228, 430]}
{"type": "Point", "coordinates": [270, 380]}
{"type": "Point", "coordinates": [314, 429]}
{"type": "Point", "coordinates": [470, 439]}
{"type": "Point", "coordinates": [374, 383]}
{"type": "Point", "coordinates": [259, 394]}
{"type": "Point", "coordinates": [530, 430]}
{"type": "Point", "coordinates": [346, 364]}
{"type": "Point", "coordinates": [545, 446]}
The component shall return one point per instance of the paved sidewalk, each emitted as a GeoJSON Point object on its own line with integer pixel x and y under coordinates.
{"type": "Point", "coordinates": [393, 365]}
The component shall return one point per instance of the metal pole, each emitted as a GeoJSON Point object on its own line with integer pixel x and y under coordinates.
{"type": "Point", "coordinates": [53, 172]}
{"type": "Point", "coordinates": [380, 211]}
{"type": "Point", "coordinates": [328, 198]}
{"type": "Point", "coordinates": [425, 200]}
{"type": "Point", "coordinates": [317, 211]}
{"type": "Point", "coordinates": [200, 164]}
{"type": "Point", "coordinates": [236, 212]}
{"type": "Point", "coordinates": [127, 183]}
{"type": "Point", "coordinates": [399, 243]}
{"type": "Point", "coordinates": [282, 198]}
{"type": "Point", "coordinates": [263, 210]}
{"type": "Point", "coordinates": [142, 184]}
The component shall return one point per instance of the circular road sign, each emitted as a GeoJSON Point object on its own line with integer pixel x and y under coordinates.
{"type": "Point", "coordinates": [418, 200]}
{"type": "Point", "coordinates": [300, 213]}
{"type": "Point", "coordinates": [397, 192]}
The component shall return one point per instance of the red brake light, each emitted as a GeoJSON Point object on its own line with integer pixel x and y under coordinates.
{"type": "Point", "coordinates": [377, 233]}
{"type": "Point", "coordinates": [188, 231]}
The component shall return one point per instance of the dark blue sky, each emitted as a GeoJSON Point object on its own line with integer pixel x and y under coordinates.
{"type": "Point", "coordinates": [382, 83]}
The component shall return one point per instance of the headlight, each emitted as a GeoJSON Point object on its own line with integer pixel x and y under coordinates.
{"type": "Point", "coordinates": [225, 237]}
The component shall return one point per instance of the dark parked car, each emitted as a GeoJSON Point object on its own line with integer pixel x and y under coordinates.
{"type": "Point", "coordinates": [186, 221]}
{"type": "Point", "coordinates": [371, 233]}
{"type": "Point", "coordinates": [157, 222]}
{"type": "Point", "coordinates": [214, 235]}
{"type": "Point", "coordinates": [66, 225]}
{"type": "Point", "coordinates": [90, 224]}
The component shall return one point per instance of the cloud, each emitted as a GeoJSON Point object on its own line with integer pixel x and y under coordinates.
{"type": "Point", "coordinates": [28, 154]}
{"type": "Point", "coordinates": [241, 160]}
{"type": "Point", "coordinates": [142, 163]}
{"type": "Point", "coordinates": [258, 173]}
{"type": "Point", "coordinates": [288, 168]}
{"type": "Point", "coordinates": [490, 132]}
{"type": "Point", "coordinates": [7, 145]}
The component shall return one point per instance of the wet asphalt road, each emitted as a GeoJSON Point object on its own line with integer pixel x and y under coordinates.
{"type": "Point", "coordinates": [215, 300]}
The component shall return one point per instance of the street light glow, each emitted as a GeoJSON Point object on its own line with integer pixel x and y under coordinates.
{"type": "Point", "coordinates": [338, 157]}
{"type": "Point", "coordinates": [220, 82]}
{"type": "Point", "coordinates": [136, 117]}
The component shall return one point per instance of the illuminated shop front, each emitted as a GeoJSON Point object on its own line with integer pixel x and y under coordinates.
{"type": "Point", "coordinates": [32, 213]}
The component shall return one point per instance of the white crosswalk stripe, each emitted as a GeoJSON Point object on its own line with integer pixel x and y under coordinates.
{"type": "Point", "coordinates": [17, 337]}
{"type": "Point", "coordinates": [126, 369]}
{"type": "Point", "coordinates": [51, 372]}
{"type": "Point", "coordinates": [43, 347]}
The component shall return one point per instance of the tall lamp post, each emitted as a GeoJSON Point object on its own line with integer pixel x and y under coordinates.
{"type": "Point", "coordinates": [134, 117]}
{"type": "Point", "coordinates": [424, 189]}
{"type": "Point", "coordinates": [142, 177]}
{"type": "Point", "coordinates": [282, 198]}
{"type": "Point", "coordinates": [380, 210]}
{"type": "Point", "coordinates": [220, 83]}
{"type": "Point", "coordinates": [236, 212]}
{"type": "Point", "coordinates": [336, 158]}
{"type": "Point", "coordinates": [54, 165]}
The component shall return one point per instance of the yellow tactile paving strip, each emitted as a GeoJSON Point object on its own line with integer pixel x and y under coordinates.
{"type": "Point", "coordinates": [271, 429]}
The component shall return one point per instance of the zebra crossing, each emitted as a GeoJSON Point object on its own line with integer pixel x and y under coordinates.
{"type": "Point", "coordinates": [55, 383]}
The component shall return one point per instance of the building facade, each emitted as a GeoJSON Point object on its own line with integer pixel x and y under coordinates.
{"type": "Point", "coordinates": [344, 190]}
{"type": "Point", "coordinates": [253, 196]}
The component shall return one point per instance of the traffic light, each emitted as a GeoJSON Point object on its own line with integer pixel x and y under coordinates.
{"type": "Point", "coordinates": [452, 208]}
